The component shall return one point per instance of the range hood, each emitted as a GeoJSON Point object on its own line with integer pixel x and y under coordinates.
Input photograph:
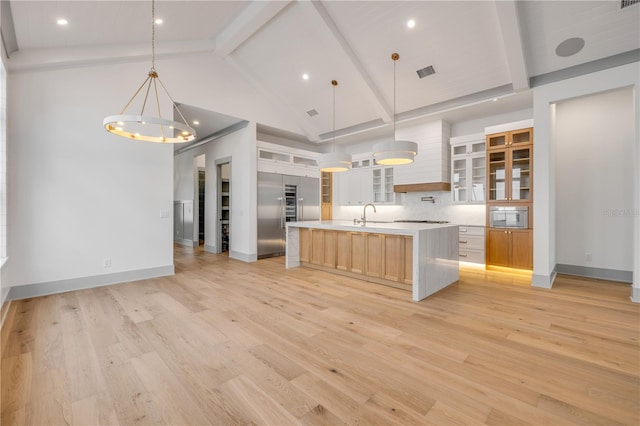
{"type": "Point", "coordinates": [430, 171]}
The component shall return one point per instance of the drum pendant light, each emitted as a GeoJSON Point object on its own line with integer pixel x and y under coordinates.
{"type": "Point", "coordinates": [394, 152]}
{"type": "Point", "coordinates": [334, 161]}
{"type": "Point", "coordinates": [150, 128]}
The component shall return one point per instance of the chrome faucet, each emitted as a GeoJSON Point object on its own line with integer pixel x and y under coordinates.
{"type": "Point", "coordinates": [364, 212]}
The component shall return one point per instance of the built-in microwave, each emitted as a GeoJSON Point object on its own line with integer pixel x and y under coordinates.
{"type": "Point", "coordinates": [509, 217]}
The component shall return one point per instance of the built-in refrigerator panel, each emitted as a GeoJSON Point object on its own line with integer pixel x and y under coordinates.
{"type": "Point", "coordinates": [282, 199]}
{"type": "Point", "coordinates": [308, 199]}
{"type": "Point", "coordinates": [271, 223]}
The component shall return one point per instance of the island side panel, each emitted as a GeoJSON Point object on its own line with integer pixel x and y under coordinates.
{"type": "Point", "coordinates": [292, 252]}
{"type": "Point", "coordinates": [437, 262]}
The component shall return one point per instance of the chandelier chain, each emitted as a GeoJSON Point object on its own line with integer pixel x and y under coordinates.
{"type": "Point", "coordinates": [394, 98]}
{"type": "Point", "coordinates": [153, 35]}
{"type": "Point", "coordinates": [334, 83]}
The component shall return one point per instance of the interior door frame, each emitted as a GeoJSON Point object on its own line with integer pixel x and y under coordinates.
{"type": "Point", "coordinates": [218, 217]}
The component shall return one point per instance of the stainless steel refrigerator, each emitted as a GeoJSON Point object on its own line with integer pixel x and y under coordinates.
{"type": "Point", "coordinates": [282, 199]}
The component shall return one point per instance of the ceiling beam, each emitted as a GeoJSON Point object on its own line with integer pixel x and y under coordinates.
{"type": "Point", "coordinates": [377, 100]}
{"type": "Point", "coordinates": [250, 20]}
{"type": "Point", "coordinates": [512, 40]}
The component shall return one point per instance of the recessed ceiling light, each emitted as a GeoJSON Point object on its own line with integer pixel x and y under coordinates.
{"type": "Point", "coordinates": [196, 122]}
{"type": "Point", "coordinates": [159, 21]}
{"type": "Point", "coordinates": [62, 22]}
{"type": "Point", "coordinates": [305, 76]}
{"type": "Point", "coordinates": [411, 23]}
{"type": "Point", "coordinates": [570, 47]}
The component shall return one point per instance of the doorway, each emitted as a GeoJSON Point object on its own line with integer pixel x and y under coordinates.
{"type": "Point", "coordinates": [201, 191]}
{"type": "Point", "coordinates": [224, 206]}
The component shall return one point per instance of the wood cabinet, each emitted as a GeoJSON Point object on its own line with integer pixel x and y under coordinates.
{"type": "Point", "coordinates": [510, 167]}
{"type": "Point", "coordinates": [510, 139]}
{"type": "Point", "coordinates": [381, 258]}
{"type": "Point", "coordinates": [468, 169]}
{"type": "Point", "coordinates": [510, 247]}
{"type": "Point", "coordinates": [510, 183]}
{"type": "Point", "coordinates": [326, 196]}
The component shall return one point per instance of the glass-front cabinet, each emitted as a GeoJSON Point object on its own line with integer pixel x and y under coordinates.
{"type": "Point", "coordinates": [510, 176]}
{"type": "Point", "coordinates": [383, 185]}
{"type": "Point", "coordinates": [508, 139]}
{"type": "Point", "coordinates": [468, 172]}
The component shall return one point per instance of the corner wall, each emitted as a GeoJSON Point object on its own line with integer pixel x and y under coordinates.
{"type": "Point", "coordinates": [544, 209]}
{"type": "Point", "coordinates": [240, 148]}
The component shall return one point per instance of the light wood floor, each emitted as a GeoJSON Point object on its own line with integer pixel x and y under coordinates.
{"type": "Point", "coordinates": [225, 342]}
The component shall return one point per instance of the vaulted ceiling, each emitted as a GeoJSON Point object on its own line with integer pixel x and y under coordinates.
{"type": "Point", "coordinates": [480, 50]}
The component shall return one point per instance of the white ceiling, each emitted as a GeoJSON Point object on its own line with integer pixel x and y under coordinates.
{"type": "Point", "coordinates": [480, 49]}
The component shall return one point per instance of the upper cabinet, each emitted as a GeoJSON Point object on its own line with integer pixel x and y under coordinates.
{"type": "Point", "coordinates": [430, 170]}
{"type": "Point", "coordinates": [366, 182]}
{"type": "Point", "coordinates": [468, 171]}
{"type": "Point", "coordinates": [274, 158]}
{"type": "Point", "coordinates": [510, 167]}
{"type": "Point", "coordinates": [510, 139]}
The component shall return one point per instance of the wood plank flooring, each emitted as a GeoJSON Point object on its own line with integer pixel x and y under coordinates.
{"type": "Point", "coordinates": [225, 342]}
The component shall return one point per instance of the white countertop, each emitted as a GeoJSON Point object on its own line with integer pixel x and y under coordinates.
{"type": "Point", "coordinates": [401, 228]}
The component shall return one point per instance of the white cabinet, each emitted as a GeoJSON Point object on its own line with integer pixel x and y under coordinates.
{"type": "Point", "coordinates": [356, 187]}
{"type": "Point", "coordinates": [471, 244]}
{"type": "Point", "coordinates": [281, 160]}
{"type": "Point", "coordinates": [383, 185]}
{"type": "Point", "coordinates": [468, 169]}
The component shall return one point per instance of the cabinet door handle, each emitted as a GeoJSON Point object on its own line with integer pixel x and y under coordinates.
{"type": "Point", "coordinates": [463, 229]}
{"type": "Point", "coordinates": [463, 241]}
{"type": "Point", "coordinates": [463, 255]}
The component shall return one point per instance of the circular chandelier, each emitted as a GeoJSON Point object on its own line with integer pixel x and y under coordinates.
{"type": "Point", "coordinates": [150, 128]}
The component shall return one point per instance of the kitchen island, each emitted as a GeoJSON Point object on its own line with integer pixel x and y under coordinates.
{"type": "Point", "coordinates": [419, 257]}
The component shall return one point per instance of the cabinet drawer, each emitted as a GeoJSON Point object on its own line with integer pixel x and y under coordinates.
{"type": "Point", "coordinates": [471, 230]}
{"type": "Point", "coordinates": [475, 242]}
{"type": "Point", "coordinates": [473, 256]}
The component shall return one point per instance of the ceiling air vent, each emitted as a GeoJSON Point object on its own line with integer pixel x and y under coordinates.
{"type": "Point", "coordinates": [312, 112]}
{"type": "Point", "coordinates": [626, 3]}
{"type": "Point", "coordinates": [426, 71]}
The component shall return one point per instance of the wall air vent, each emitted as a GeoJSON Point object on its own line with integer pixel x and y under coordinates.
{"type": "Point", "coordinates": [312, 112]}
{"type": "Point", "coordinates": [426, 71]}
{"type": "Point", "coordinates": [626, 3]}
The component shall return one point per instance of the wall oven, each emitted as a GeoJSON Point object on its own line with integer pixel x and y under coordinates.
{"type": "Point", "coordinates": [509, 217]}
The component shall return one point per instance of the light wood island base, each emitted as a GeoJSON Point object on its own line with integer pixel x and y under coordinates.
{"type": "Point", "coordinates": [416, 257]}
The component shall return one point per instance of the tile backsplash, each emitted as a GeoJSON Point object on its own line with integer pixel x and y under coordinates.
{"type": "Point", "coordinates": [410, 206]}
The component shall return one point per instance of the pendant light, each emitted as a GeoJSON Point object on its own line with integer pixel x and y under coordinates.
{"type": "Point", "coordinates": [334, 161]}
{"type": "Point", "coordinates": [150, 128]}
{"type": "Point", "coordinates": [394, 152]}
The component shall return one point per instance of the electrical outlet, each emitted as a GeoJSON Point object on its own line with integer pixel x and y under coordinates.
{"type": "Point", "coordinates": [588, 257]}
{"type": "Point", "coordinates": [107, 263]}
{"type": "Point", "coordinates": [164, 214]}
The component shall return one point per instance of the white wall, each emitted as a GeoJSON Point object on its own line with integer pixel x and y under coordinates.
{"type": "Point", "coordinates": [240, 147]}
{"type": "Point", "coordinates": [4, 288]}
{"type": "Point", "coordinates": [469, 127]}
{"type": "Point", "coordinates": [78, 195]}
{"type": "Point", "coordinates": [544, 208]}
{"type": "Point", "coordinates": [594, 211]}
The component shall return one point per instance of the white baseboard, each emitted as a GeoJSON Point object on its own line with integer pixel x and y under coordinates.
{"type": "Point", "coordinates": [544, 281]}
{"type": "Point", "coordinates": [62, 286]}
{"type": "Point", "coordinates": [186, 242]}
{"type": "Point", "coordinates": [635, 294]}
{"type": "Point", "coordinates": [210, 249]}
{"type": "Point", "coordinates": [245, 257]}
